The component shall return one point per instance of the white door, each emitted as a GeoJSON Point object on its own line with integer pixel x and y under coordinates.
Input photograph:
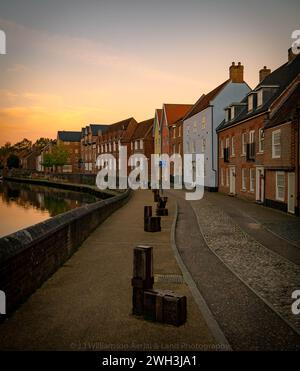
{"type": "Point", "coordinates": [260, 184]}
{"type": "Point", "coordinates": [291, 193]}
{"type": "Point", "coordinates": [232, 180]}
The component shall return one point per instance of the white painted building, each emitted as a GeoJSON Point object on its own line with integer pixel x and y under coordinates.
{"type": "Point", "coordinates": [199, 125]}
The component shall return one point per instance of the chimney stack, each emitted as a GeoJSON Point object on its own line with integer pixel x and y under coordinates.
{"type": "Point", "coordinates": [291, 55]}
{"type": "Point", "coordinates": [263, 73]}
{"type": "Point", "coordinates": [236, 73]}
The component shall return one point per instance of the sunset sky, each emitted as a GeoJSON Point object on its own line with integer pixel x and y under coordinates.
{"type": "Point", "coordinates": [74, 62]}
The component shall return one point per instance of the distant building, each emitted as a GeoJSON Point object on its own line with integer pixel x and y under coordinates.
{"type": "Point", "coordinates": [200, 124]}
{"type": "Point", "coordinates": [89, 149]}
{"type": "Point", "coordinates": [115, 135]}
{"type": "Point", "coordinates": [71, 140]}
{"type": "Point", "coordinates": [142, 141]}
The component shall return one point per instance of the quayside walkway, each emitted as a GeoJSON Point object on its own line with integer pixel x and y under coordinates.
{"type": "Point", "coordinates": [86, 304]}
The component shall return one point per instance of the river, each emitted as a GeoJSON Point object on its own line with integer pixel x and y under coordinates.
{"type": "Point", "coordinates": [23, 205]}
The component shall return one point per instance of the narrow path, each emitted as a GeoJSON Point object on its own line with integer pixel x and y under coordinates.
{"type": "Point", "coordinates": [86, 304]}
{"type": "Point", "coordinates": [247, 322]}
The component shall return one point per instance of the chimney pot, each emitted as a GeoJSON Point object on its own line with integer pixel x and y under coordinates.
{"type": "Point", "coordinates": [263, 73]}
{"type": "Point", "coordinates": [236, 72]}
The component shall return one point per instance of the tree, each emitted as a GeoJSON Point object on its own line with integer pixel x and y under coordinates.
{"type": "Point", "coordinates": [42, 142]}
{"type": "Point", "coordinates": [48, 160]}
{"type": "Point", "coordinates": [24, 144]}
{"type": "Point", "coordinates": [13, 161]}
{"type": "Point", "coordinates": [60, 155]}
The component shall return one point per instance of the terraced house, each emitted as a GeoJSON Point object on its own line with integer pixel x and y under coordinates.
{"type": "Point", "coordinates": [71, 140]}
{"type": "Point", "coordinates": [201, 122]}
{"type": "Point", "coordinates": [89, 136]}
{"type": "Point", "coordinates": [115, 135]}
{"type": "Point", "coordinates": [142, 141]}
{"type": "Point", "coordinates": [257, 140]}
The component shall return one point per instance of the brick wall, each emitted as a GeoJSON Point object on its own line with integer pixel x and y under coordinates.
{"type": "Point", "coordinates": [239, 161]}
{"type": "Point", "coordinates": [285, 159]}
{"type": "Point", "coordinates": [31, 256]}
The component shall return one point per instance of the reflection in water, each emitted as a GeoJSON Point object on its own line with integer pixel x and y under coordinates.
{"type": "Point", "coordinates": [22, 205]}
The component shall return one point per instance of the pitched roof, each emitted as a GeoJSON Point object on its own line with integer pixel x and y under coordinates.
{"type": "Point", "coordinates": [204, 101]}
{"type": "Point", "coordinates": [175, 112]}
{"type": "Point", "coordinates": [95, 128]}
{"type": "Point", "coordinates": [287, 109]}
{"type": "Point", "coordinates": [120, 125]}
{"type": "Point", "coordinates": [143, 128]}
{"type": "Point", "coordinates": [69, 136]}
{"type": "Point", "coordinates": [281, 77]}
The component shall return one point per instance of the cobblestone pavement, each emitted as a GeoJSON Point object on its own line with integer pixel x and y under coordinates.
{"type": "Point", "coordinates": [245, 319]}
{"type": "Point", "coordinates": [270, 275]}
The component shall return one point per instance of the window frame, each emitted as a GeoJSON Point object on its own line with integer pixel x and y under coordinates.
{"type": "Point", "coordinates": [274, 155]}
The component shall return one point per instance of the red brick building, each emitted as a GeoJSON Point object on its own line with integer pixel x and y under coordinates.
{"type": "Point", "coordinates": [142, 141]}
{"type": "Point", "coordinates": [244, 148]}
{"type": "Point", "coordinates": [89, 149]}
{"type": "Point", "coordinates": [72, 141]}
{"type": "Point", "coordinates": [116, 135]}
{"type": "Point", "coordinates": [171, 127]}
{"type": "Point", "coordinates": [281, 159]}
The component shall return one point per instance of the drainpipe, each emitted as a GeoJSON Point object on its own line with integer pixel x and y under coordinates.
{"type": "Point", "coordinates": [212, 146]}
{"type": "Point", "coordinates": [298, 155]}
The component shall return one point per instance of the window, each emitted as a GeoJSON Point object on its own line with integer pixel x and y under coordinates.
{"type": "Point", "coordinates": [227, 115]}
{"type": "Point", "coordinates": [227, 143]}
{"type": "Point", "coordinates": [252, 136]}
{"type": "Point", "coordinates": [244, 143]}
{"type": "Point", "coordinates": [136, 144]}
{"type": "Point", "coordinates": [141, 144]}
{"type": "Point", "coordinates": [244, 187]}
{"type": "Point", "coordinates": [232, 111]}
{"type": "Point", "coordinates": [203, 145]}
{"type": "Point", "coordinates": [276, 146]}
{"type": "Point", "coordinates": [222, 176]}
{"type": "Point", "coordinates": [252, 180]}
{"type": "Point", "coordinates": [232, 147]}
{"type": "Point", "coordinates": [131, 146]}
{"type": "Point", "coordinates": [179, 148]}
{"type": "Point", "coordinates": [250, 103]}
{"type": "Point", "coordinates": [260, 98]}
{"type": "Point", "coordinates": [222, 148]}
{"type": "Point", "coordinates": [203, 122]}
{"type": "Point", "coordinates": [280, 185]}
{"type": "Point", "coordinates": [261, 138]}
{"type": "Point", "coordinates": [109, 146]}
{"type": "Point", "coordinates": [174, 148]}
{"type": "Point", "coordinates": [179, 131]}
{"type": "Point", "coordinates": [227, 177]}
{"type": "Point", "coordinates": [174, 132]}
{"type": "Point", "coordinates": [114, 146]}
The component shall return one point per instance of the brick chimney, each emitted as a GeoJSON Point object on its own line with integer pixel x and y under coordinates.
{"type": "Point", "coordinates": [264, 73]}
{"type": "Point", "coordinates": [236, 73]}
{"type": "Point", "coordinates": [291, 55]}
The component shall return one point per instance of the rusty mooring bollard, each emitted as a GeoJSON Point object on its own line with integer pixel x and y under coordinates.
{"type": "Point", "coordinates": [165, 306]}
{"type": "Point", "coordinates": [162, 212]}
{"type": "Point", "coordinates": [162, 202]}
{"type": "Point", "coordinates": [142, 276]}
{"type": "Point", "coordinates": [152, 224]}
{"type": "Point", "coordinates": [156, 195]}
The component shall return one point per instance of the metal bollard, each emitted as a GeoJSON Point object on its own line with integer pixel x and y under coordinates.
{"type": "Point", "coordinates": [142, 276]}
{"type": "Point", "coordinates": [152, 224]}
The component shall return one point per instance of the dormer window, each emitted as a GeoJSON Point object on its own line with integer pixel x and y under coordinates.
{"type": "Point", "coordinates": [250, 103]}
{"type": "Point", "coordinates": [260, 98]}
{"type": "Point", "coordinates": [232, 112]}
{"type": "Point", "coordinates": [227, 115]}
